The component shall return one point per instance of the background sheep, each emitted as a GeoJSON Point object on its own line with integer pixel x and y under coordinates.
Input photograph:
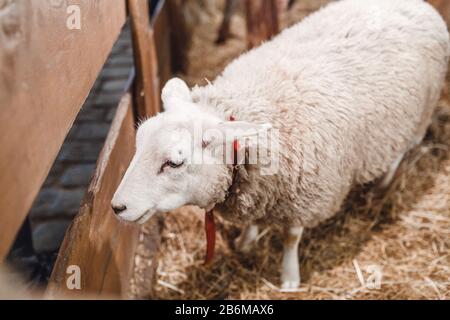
{"type": "Point", "coordinates": [335, 95]}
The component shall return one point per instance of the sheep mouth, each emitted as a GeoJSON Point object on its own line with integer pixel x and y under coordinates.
{"type": "Point", "coordinates": [144, 217]}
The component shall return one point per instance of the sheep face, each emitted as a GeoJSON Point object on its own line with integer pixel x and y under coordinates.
{"type": "Point", "coordinates": [179, 159]}
{"type": "Point", "coordinates": [163, 174]}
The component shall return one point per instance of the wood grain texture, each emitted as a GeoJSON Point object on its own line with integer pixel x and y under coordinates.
{"type": "Point", "coordinates": [46, 72]}
{"type": "Point", "coordinates": [97, 242]}
{"type": "Point", "coordinates": [146, 86]}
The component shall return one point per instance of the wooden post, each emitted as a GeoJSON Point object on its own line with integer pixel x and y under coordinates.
{"type": "Point", "coordinates": [146, 86]}
{"type": "Point", "coordinates": [262, 21]}
{"type": "Point", "coordinates": [179, 38]}
{"type": "Point", "coordinates": [224, 31]}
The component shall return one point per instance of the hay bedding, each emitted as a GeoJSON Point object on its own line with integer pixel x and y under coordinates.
{"type": "Point", "coordinates": [404, 231]}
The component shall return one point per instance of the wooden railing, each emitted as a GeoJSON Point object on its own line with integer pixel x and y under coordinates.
{"type": "Point", "coordinates": [47, 70]}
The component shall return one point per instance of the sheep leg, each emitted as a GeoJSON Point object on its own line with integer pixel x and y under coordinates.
{"type": "Point", "coordinates": [247, 238]}
{"type": "Point", "coordinates": [389, 176]}
{"type": "Point", "coordinates": [290, 270]}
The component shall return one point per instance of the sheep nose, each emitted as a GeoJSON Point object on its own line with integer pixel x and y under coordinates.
{"type": "Point", "coordinates": [118, 209]}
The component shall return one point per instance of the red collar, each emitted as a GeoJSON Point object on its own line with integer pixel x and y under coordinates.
{"type": "Point", "coordinates": [235, 149]}
{"type": "Point", "coordinates": [210, 225]}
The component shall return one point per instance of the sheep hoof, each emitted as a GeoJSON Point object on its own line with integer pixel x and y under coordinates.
{"type": "Point", "coordinates": [290, 286]}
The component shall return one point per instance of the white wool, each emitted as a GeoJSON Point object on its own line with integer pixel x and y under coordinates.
{"type": "Point", "coordinates": [350, 90]}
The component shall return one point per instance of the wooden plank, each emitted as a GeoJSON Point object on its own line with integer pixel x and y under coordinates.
{"type": "Point", "coordinates": [161, 27]}
{"type": "Point", "coordinates": [46, 72]}
{"type": "Point", "coordinates": [97, 242]}
{"type": "Point", "coordinates": [146, 86]}
{"type": "Point", "coordinates": [262, 21]}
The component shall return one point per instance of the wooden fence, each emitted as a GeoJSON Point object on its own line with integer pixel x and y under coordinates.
{"type": "Point", "coordinates": [47, 70]}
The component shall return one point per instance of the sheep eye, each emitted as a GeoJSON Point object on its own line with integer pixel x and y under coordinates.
{"type": "Point", "coordinates": [174, 165]}
{"type": "Point", "coordinates": [171, 164]}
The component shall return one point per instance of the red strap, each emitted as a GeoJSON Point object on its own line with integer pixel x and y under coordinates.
{"type": "Point", "coordinates": [210, 229]}
{"type": "Point", "coordinates": [210, 225]}
{"type": "Point", "coordinates": [235, 147]}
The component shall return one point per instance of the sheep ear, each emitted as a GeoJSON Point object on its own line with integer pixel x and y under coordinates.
{"type": "Point", "coordinates": [175, 93]}
{"type": "Point", "coordinates": [232, 130]}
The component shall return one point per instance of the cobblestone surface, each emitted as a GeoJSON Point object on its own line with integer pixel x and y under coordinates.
{"type": "Point", "coordinates": [60, 198]}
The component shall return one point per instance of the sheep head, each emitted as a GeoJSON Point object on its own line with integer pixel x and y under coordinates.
{"type": "Point", "coordinates": [180, 158]}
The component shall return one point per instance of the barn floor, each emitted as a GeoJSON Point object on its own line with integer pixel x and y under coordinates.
{"type": "Point", "coordinates": [404, 232]}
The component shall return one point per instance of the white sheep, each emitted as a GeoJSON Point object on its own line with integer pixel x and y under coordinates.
{"type": "Point", "coordinates": [349, 90]}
